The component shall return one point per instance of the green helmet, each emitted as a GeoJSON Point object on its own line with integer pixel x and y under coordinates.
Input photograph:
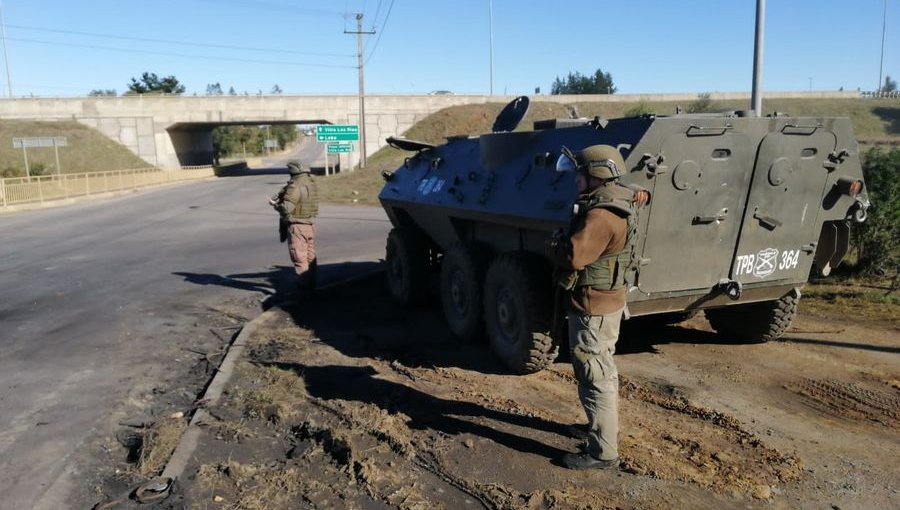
{"type": "Point", "coordinates": [295, 168]}
{"type": "Point", "coordinates": [601, 161]}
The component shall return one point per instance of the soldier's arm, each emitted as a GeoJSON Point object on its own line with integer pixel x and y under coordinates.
{"type": "Point", "coordinates": [290, 199]}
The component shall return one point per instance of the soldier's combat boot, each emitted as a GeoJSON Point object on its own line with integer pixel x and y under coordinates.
{"type": "Point", "coordinates": [586, 461]}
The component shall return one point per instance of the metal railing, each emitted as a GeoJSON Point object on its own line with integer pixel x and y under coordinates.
{"type": "Point", "coordinates": [880, 94]}
{"type": "Point", "coordinates": [26, 190]}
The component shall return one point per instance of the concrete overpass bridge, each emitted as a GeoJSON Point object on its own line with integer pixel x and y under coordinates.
{"type": "Point", "coordinates": [174, 131]}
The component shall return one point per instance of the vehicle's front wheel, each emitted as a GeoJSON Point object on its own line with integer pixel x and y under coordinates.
{"type": "Point", "coordinates": [755, 322]}
{"type": "Point", "coordinates": [517, 312]}
{"type": "Point", "coordinates": [406, 258]}
{"type": "Point", "coordinates": [462, 283]}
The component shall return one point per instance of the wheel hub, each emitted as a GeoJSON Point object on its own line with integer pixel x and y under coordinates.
{"type": "Point", "coordinates": [507, 314]}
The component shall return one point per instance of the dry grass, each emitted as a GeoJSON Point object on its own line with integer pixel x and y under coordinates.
{"type": "Point", "coordinates": [865, 300]}
{"type": "Point", "coordinates": [88, 150]}
{"type": "Point", "coordinates": [159, 443]}
{"type": "Point", "coordinates": [874, 122]}
{"type": "Point", "coordinates": [252, 486]}
{"type": "Point", "coordinates": [272, 393]}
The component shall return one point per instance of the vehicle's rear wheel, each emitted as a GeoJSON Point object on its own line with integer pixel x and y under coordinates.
{"type": "Point", "coordinates": [406, 258]}
{"type": "Point", "coordinates": [517, 312]}
{"type": "Point", "coordinates": [462, 284]}
{"type": "Point", "coordinates": [755, 322]}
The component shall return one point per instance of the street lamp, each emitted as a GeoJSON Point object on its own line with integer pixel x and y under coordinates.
{"type": "Point", "coordinates": [6, 52]}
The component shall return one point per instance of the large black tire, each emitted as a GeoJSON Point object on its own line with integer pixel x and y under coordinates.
{"type": "Point", "coordinates": [517, 312]}
{"type": "Point", "coordinates": [755, 322]}
{"type": "Point", "coordinates": [462, 283]}
{"type": "Point", "coordinates": [406, 261]}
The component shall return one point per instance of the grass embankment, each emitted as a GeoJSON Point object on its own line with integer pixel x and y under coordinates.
{"type": "Point", "coordinates": [864, 300]}
{"type": "Point", "coordinates": [87, 149]}
{"type": "Point", "coordinates": [874, 122]}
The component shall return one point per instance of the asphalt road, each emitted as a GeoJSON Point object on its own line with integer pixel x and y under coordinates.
{"type": "Point", "coordinates": [91, 294]}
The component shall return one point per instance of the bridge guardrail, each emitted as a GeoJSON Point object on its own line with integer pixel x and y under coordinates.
{"type": "Point", "coordinates": [27, 190]}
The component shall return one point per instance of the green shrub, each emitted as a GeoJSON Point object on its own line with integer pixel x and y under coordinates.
{"type": "Point", "coordinates": [38, 169]}
{"type": "Point", "coordinates": [703, 104]}
{"type": "Point", "coordinates": [12, 171]}
{"type": "Point", "coordinates": [878, 239]}
{"type": "Point", "coordinates": [642, 108]}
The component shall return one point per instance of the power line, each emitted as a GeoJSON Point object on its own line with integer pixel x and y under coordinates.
{"type": "Point", "coordinates": [381, 32]}
{"type": "Point", "coordinates": [275, 5]}
{"type": "Point", "coordinates": [182, 43]}
{"type": "Point", "coordinates": [374, 24]}
{"type": "Point", "coordinates": [182, 55]}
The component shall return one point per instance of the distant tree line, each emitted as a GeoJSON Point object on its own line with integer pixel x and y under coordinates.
{"type": "Point", "coordinates": [577, 83]}
{"type": "Point", "coordinates": [151, 83]}
{"type": "Point", "coordinates": [239, 140]}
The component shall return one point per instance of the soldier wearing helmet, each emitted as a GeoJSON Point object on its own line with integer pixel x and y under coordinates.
{"type": "Point", "coordinates": [592, 259]}
{"type": "Point", "coordinates": [298, 205]}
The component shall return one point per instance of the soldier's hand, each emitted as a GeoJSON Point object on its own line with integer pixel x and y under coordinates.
{"type": "Point", "coordinates": [641, 198]}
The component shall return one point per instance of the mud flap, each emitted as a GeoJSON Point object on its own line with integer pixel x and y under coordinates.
{"type": "Point", "coordinates": [834, 242]}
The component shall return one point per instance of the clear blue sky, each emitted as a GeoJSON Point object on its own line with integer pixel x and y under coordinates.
{"type": "Point", "coordinates": [63, 48]}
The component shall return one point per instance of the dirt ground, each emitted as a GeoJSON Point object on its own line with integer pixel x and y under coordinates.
{"type": "Point", "coordinates": [350, 401]}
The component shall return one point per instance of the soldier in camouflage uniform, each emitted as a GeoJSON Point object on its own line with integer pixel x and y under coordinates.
{"type": "Point", "coordinates": [298, 204]}
{"type": "Point", "coordinates": [592, 258]}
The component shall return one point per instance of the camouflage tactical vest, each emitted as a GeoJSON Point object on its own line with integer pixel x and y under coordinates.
{"type": "Point", "coordinates": [308, 206]}
{"type": "Point", "coordinates": [608, 272]}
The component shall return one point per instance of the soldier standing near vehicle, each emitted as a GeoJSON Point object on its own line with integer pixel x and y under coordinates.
{"type": "Point", "coordinates": [592, 258]}
{"type": "Point", "coordinates": [298, 205]}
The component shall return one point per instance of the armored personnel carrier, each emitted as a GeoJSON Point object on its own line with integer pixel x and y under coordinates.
{"type": "Point", "coordinates": [742, 209]}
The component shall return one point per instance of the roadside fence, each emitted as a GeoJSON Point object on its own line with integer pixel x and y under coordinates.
{"type": "Point", "coordinates": [25, 190]}
{"type": "Point", "coordinates": [880, 95]}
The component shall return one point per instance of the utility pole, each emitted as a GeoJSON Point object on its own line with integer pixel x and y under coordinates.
{"type": "Point", "coordinates": [362, 89]}
{"type": "Point", "coordinates": [6, 52]}
{"type": "Point", "coordinates": [491, 22]}
{"type": "Point", "coordinates": [881, 68]}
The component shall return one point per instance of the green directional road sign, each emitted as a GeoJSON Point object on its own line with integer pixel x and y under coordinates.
{"type": "Point", "coordinates": [337, 148]}
{"type": "Point", "coordinates": [337, 133]}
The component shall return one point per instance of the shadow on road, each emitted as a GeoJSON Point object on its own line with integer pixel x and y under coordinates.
{"type": "Point", "coordinates": [238, 171]}
{"type": "Point", "coordinates": [846, 345]}
{"type": "Point", "coordinates": [279, 284]}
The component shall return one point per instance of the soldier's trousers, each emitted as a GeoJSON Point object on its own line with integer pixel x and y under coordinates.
{"type": "Point", "coordinates": [592, 343]}
{"type": "Point", "coordinates": [302, 246]}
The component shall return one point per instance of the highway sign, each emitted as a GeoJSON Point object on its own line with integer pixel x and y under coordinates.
{"type": "Point", "coordinates": [337, 132]}
{"type": "Point", "coordinates": [337, 148]}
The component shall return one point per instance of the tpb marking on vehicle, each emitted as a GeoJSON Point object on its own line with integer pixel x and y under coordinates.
{"type": "Point", "coordinates": [766, 262]}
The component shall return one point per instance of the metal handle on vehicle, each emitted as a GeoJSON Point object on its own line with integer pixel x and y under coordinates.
{"type": "Point", "coordinates": [803, 130]}
{"type": "Point", "coordinates": [767, 221]}
{"type": "Point", "coordinates": [719, 217]}
{"type": "Point", "coordinates": [696, 130]}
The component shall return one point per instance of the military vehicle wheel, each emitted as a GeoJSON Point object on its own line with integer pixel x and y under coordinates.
{"type": "Point", "coordinates": [406, 258]}
{"type": "Point", "coordinates": [462, 279]}
{"type": "Point", "coordinates": [517, 313]}
{"type": "Point", "coordinates": [755, 322]}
